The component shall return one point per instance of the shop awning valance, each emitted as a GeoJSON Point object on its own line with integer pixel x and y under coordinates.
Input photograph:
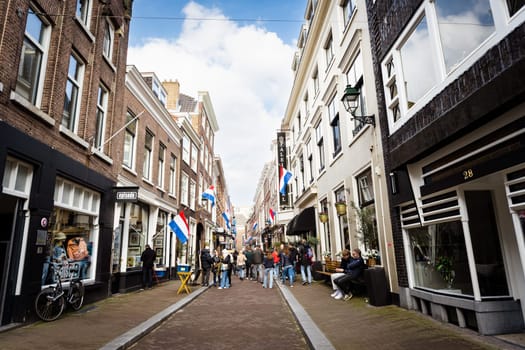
{"type": "Point", "coordinates": [302, 223]}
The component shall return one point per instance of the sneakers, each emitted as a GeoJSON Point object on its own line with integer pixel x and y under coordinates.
{"type": "Point", "coordinates": [348, 296]}
{"type": "Point", "coordinates": [339, 296]}
{"type": "Point", "coordinates": [334, 293]}
{"type": "Point", "coordinates": [220, 288]}
{"type": "Point", "coordinates": [304, 283]}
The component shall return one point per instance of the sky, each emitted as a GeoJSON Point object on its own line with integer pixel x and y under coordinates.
{"type": "Point", "coordinates": [241, 52]}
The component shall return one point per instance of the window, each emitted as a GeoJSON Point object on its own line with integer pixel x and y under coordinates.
{"type": "Point", "coordinates": [193, 193]}
{"type": "Point", "coordinates": [184, 189]}
{"type": "Point", "coordinates": [186, 149]}
{"type": "Point", "coordinates": [444, 39]}
{"type": "Point", "coordinates": [84, 11]}
{"type": "Point", "coordinates": [514, 6]}
{"type": "Point", "coordinates": [72, 96]}
{"type": "Point", "coordinates": [148, 151]}
{"type": "Point", "coordinates": [306, 106]}
{"type": "Point", "coordinates": [109, 36]}
{"type": "Point", "coordinates": [320, 145]}
{"type": "Point", "coordinates": [137, 234]}
{"type": "Point", "coordinates": [102, 106]}
{"type": "Point", "coordinates": [194, 157]}
{"type": "Point", "coordinates": [315, 79]}
{"type": "Point", "coordinates": [17, 178]}
{"type": "Point", "coordinates": [160, 174]}
{"type": "Point", "coordinates": [348, 10]}
{"type": "Point", "coordinates": [31, 70]}
{"type": "Point", "coordinates": [366, 191]}
{"type": "Point", "coordinates": [173, 175]}
{"type": "Point", "coordinates": [310, 158]}
{"type": "Point", "coordinates": [329, 50]}
{"type": "Point", "coordinates": [339, 195]}
{"type": "Point", "coordinates": [333, 117]}
{"type": "Point", "coordinates": [129, 141]}
{"type": "Point", "coordinates": [354, 77]}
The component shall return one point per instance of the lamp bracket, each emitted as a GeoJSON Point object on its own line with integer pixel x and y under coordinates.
{"type": "Point", "coordinates": [365, 119]}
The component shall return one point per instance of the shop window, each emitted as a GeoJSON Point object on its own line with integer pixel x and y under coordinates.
{"type": "Point", "coordinates": [70, 242]}
{"type": "Point", "coordinates": [159, 237]}
{"type": "Point", "coordinates": [439, 258]}
{"type": "Point", "coordinates": [137, 233]}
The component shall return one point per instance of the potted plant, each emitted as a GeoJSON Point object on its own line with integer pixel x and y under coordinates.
{"type": "Point", "coordinates": [367, 226]}
{"type": "Point", "coordinates": [444, 265]}
{"type": "Point", "coordinates": [340, 207]}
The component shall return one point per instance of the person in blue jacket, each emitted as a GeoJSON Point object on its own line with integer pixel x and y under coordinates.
{"type": "Point", "coordinates": [352, 271]}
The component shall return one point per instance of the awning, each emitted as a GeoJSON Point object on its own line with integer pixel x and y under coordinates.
{"type": "Point", "coordinates": [302, 223]}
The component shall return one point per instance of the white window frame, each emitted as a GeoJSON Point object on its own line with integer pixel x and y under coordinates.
{"type": "Point", "coordinates": [397, 105]}
{"type": "Point", "coordinates": [186, 149]}
{"type": "Point", "coordinates": [17, 179]}
{"type": "Point", "coordinates": [148, 155]}
{"type": "Point", "coordinates": [102, 110]}
{"type": "Point", "coordinates": [184, 188]}
{"type": "Point", "coordinates": [41, 43]}
{"type": "Point", "coordinates": [194, 157]}
{"type": "Point", "coordinates": [83, 12]}
{"type": "Point", "coordinates": [161, 165]}
{"type": "Point", "coordinates": [131, 135]}
{"type": "Point", "coordinates": [172, 190]}
{"type": "Point", "coordinates": [108, 41]}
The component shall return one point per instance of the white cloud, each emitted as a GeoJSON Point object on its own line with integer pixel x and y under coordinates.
{"type": "Point", "coordinates": [246, 71]}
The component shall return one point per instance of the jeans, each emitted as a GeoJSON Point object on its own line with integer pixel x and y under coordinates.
{"type": "Point", "coordinates": [277, 267]}
{"type": "Point", "coordinates": [205, 277]}
{"type": "Point", "coordinates": [290, 272]}
{"type": "Point", "coordinates": [241, 272]}
{"type": "Point", "coordinates": [257, 271]}
{"type": "Point", "coordinates": [224, 279]}
{"type": "Point", "coordinates": [308, 269]}
{"type": "Point", "coordinates": [268, 277]}
{"type": "Point", "coordinates": [333, 277]}
{"type": "Point", "coordinates": [147, 277]}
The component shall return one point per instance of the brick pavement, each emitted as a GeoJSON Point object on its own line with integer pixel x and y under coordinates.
{"type": "Point", "coordinates": [336, 324]}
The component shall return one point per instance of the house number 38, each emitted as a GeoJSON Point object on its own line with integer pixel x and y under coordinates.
{"type": "Point", "coordinates": [467, 174]}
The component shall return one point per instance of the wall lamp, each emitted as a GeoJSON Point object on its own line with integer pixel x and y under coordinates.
{"type": "Point", "coordinates": [351, 102]}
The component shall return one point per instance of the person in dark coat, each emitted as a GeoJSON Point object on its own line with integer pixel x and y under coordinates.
{"type": "Point", "coordinates": [148, 261]}
{"type": "Point", "coordinates": [206, 265]}
{"type": "Point", "coordinates": [353, 270]}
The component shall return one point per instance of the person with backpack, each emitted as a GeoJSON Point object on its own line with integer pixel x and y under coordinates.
{"type": "Point", "coordinates": [206, 265]}
{"type": "Point", "coordinates": [225, 267]}
{"type": "Point", "coordinates": [306, 258]}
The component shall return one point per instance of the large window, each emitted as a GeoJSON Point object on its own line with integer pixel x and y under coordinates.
{"type": "Point", "coordinates": [320, 145]}
{"type": "Point", "coordinates": [184, 189]}
{"type": "Point", "coordinates": [173, 175]}
{"type": "Point", "coordinates": [160, 168]}
{"type": "Point", "coordinates": [333, 117]}
{"type": "Point", "coordinates": [84, 12]}
{"type": "Point", "coordinates": [129, 141]}
{"type": "Point", "coordinates": [194, 157]}
{"type": "Point", "coordinates": [32, 61]}
{"type": "Point", "coordinates": [348, 10]}
{"type": "Point", "coordinates": [329, 50]}
{"type": "Point", "coordinates": [186, 144]}
{"type": "Point", "coordinates": [354, 77]}
{"type": "Point", "coordinates": [107, 44]}
{"type": "Point", "coordinates": [148, 154]}
{"type": "Point", "coordinates": [442, 41]}
{"type": "Point", "coordinates": [137, 233]}
{"type": "Point", "coordinates": [73, 93]}
{"type": "Point", "coordinates": [366, 211]}
{"type": "Point", "coordinates": [439, 258]}
{"type": "Point", "coordinates": [102, 110]}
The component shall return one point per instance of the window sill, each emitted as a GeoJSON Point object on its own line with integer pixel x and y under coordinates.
{"type": "Point", "coordinates": [15, 97]}
{"type": "Point", "coordinates": [74, 137]}
{"type": "Point", "coordinates": [102, 155]}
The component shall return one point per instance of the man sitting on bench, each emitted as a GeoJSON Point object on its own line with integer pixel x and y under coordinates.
{"type": "Point", "coordinates": [345, 257]}
{"type": "Point", "coordinates": [352, 271]}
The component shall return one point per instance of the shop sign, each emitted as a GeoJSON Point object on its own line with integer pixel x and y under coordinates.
{"type": "Point", "coordinates": [126, 194]}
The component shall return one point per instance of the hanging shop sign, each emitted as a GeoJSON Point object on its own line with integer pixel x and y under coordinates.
{"type": "Point", "coordinates": [126, 194]}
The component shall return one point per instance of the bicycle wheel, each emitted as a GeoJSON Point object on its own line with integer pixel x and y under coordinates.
{"type": "Point", "coordinates": [77, 295]}
{"type": "Point", "coordinates": [47, 306]}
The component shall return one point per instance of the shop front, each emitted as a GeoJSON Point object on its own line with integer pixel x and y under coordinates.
{"type": "Point", "coordinates": [463, 232]}
{"type": "Point", "coordinates": [54, 210]}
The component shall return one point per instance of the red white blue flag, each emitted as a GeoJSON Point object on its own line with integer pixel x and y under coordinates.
{"type": "Point", "coordinates": [209, 194]}
{"type": "Point", "coordinates": [284, 177]}
{"type": "Point", "coordinates": [272, 215]}
{"type": "Point", "coordinates": [179, 225]}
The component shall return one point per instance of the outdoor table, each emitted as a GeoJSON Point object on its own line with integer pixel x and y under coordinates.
{"type": "Point", "coordinates": [184, 277]}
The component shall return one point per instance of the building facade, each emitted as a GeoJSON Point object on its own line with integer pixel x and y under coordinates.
{"type": "Point", "coordinates": [338, 188]}
{"type": "Point", "coordinates": [61, 64]}
{"type": "Point", "coordinates": [452, 114]}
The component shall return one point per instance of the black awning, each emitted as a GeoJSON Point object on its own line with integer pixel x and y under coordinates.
{"type": "Point", "coordinates": [303, 222]}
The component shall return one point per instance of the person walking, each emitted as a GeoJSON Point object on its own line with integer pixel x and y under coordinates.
{"type": "Point", "coordinates": [148, 260]}
{"type": "Point", "coordinates": [306, 257]}
{"type": "Point", "coordinates": [225, 267]}
{"type": "Point", "coordinates": [206, 265]}
{"type": "Point", "coordinates": [353, 270]}
{"type": "Point", "coordinates": [241, 264]}
{"type": "Point", "coordinates": [288, 265]}
{"type": "Point", "coordinates": [257, 264]}
{"type": "Point", "coordinates": [216, 268]}
{"type": "Point", "coordinates": [249, 261]}
{"type": "Point", "coordinates": [268, 270]}
{"type": "Point", "coordinates": [276, 262]}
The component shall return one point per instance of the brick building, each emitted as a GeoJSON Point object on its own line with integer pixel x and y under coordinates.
{"type": "Point", "coordinates": [449, 77]}
{"type": "Point", "coordinates": [60, 69]}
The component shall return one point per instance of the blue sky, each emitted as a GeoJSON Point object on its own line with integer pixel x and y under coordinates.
{"type": "Point", "coordinates": [240, 51]}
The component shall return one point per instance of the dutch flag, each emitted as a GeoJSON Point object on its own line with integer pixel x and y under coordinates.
{"type": "Point", "coordinates": [209, 194]}
{"type": "Point", "coordinates": [284, 178]}
{"type": "Point", "coordinates": [227, 220]}
{"type": "Point", "coordinates": [272, 215]}
{"type": "Point", "coordinates": [179, 225]}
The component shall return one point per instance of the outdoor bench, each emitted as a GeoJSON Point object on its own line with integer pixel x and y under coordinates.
{"type": "Point", "coordinates": [329, 269]}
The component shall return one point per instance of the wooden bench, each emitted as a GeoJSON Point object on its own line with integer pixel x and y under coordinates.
{"type": "Point", "coordinates": [329, 269]}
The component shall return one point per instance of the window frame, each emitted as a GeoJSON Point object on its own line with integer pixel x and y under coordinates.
{"type": "Point", "coordinates": [131, 134]}
{"type": "Point", "coordinates": [101, 118]}
{"type": "Point", "coordinates": [149, 140]}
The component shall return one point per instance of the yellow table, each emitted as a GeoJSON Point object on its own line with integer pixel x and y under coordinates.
{"type": "Point", "coordinates": [184, 277]}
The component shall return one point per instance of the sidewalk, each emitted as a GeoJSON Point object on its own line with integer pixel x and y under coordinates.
{"type": "Point", "coordinates": [326, 322]}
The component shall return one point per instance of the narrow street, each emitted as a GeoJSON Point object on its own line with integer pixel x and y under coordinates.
{"type": "Point", "coordinates": [245, 316]}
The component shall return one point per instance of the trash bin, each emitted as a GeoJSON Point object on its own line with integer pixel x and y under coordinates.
{"type": "Point", "coordinates": [376, 286]}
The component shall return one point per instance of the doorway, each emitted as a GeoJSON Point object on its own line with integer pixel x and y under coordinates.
{"type": "Point", "coordinates": [8, 264]}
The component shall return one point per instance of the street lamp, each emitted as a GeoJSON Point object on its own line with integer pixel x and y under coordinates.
{"type": "Point", "coordinates": [351, 102]}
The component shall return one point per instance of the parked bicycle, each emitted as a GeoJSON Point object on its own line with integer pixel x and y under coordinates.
{"type": "Point", "coordinates": [51, 301]}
